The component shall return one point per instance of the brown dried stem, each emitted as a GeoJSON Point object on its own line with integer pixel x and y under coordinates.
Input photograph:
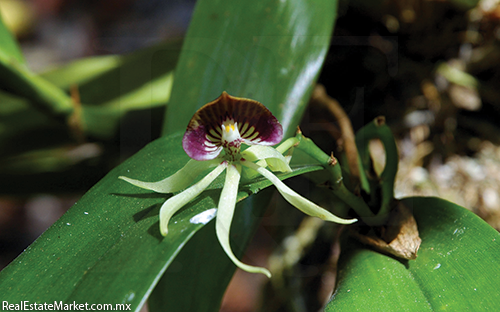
{"type": "Point", "coordinates": [75, 122]}
{"type": "Point", "coordinates": [320, 97]}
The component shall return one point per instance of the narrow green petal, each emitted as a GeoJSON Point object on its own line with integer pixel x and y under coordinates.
{"type": "Point", "coordinates": [174, 203]}
{"type": "Point", "coordinates": [179, 180]}
{"type": "Point", "coordinates": [225, 212]}
{"type": "Point", "coordinates": [295, 199]}
{"type": "Point", "coordinates": [275, 160]}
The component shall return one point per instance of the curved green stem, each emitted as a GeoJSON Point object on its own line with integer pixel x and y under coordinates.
{"type": "Point", "coordinates": [287, 144]}
{"type": "Point", "coordinates": [377, 129]}
{"type": "Point", "coordinates": [336, 180]}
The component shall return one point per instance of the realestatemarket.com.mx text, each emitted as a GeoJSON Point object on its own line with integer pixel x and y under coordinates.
{"type": "Point", "coordinates": [60, 306]}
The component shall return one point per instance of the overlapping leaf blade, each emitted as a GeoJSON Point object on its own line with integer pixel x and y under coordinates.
{"type": "Point", "coordinates": [107, 248]}
{"type": "Point", "coordinates": [112, 86]}
{"type": "Point", "coordinates": [456, 269]}
{"type": "Point", "coordinates": [268, 51]}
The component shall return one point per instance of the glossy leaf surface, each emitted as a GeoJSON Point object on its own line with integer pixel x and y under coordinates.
{"type": "Point", "coordinates": [457, 267]}
{"type": "Point", "coordinates": [107, 248]}
{"type": "Point", "coordinates": [269, 51]}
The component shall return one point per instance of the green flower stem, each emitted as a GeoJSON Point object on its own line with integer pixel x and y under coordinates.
{"type": "Point", "coordinates": [336, 180]}
{"type": "Point", "coordinates": [377, 129]}
{"type": "Point", "coordinates": [289, 143]}
{"type": "Point", "coordinates": [268, 161]}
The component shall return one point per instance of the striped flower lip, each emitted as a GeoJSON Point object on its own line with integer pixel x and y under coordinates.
{"type": "Point", "coordinates": [226, 123]}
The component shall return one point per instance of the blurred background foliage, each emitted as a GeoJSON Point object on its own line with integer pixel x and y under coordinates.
{"type": "Point", "coordinates": [431, 67]}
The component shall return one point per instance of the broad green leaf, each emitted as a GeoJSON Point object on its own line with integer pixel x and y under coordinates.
{"type": "Point", "coordinates": [206, 298]}
{"type": "Point", "coordinates": [457, 267]}
{"type": "Point", "coordinates": [269, 51]}
{"type": "Point", "coordinates": [107, 248]}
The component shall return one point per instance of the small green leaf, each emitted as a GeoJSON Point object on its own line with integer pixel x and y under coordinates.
{"type": "Point", "coordinates": [377, 129]}
{"type": "Point", "coordinates": [456, 269]}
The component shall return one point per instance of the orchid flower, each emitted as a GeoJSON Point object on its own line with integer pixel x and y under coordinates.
{"type": "Point", "coordinates": [224, 125]}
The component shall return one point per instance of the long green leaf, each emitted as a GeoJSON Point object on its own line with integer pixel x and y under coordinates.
{"type": "Point", "coordinates": [112, 86]}
{"type": "Point", "coordinates": [16, 78]}
{"type": "Point", "coordinates": [270, 51]}
{"type": "Point", "coordinates": [107, 248]}
{"type": "Point", "coordinates": [457, 267]}
{"type": "Point", "coordinates": [81, 71]}
{"type": "Point", "coordinates": [9, 49]}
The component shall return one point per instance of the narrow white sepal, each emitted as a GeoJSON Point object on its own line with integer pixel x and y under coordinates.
{"type": "Point", "coordinates": [299, 202]}
{"type": "Point", "coordinates": [179, 180]}
{"type": "Point", "coordinates": [275, 160]}
{"type": "Point", "coordinates": [225, 212]}
{"type": "Point", "coordinates": [174, 203]}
